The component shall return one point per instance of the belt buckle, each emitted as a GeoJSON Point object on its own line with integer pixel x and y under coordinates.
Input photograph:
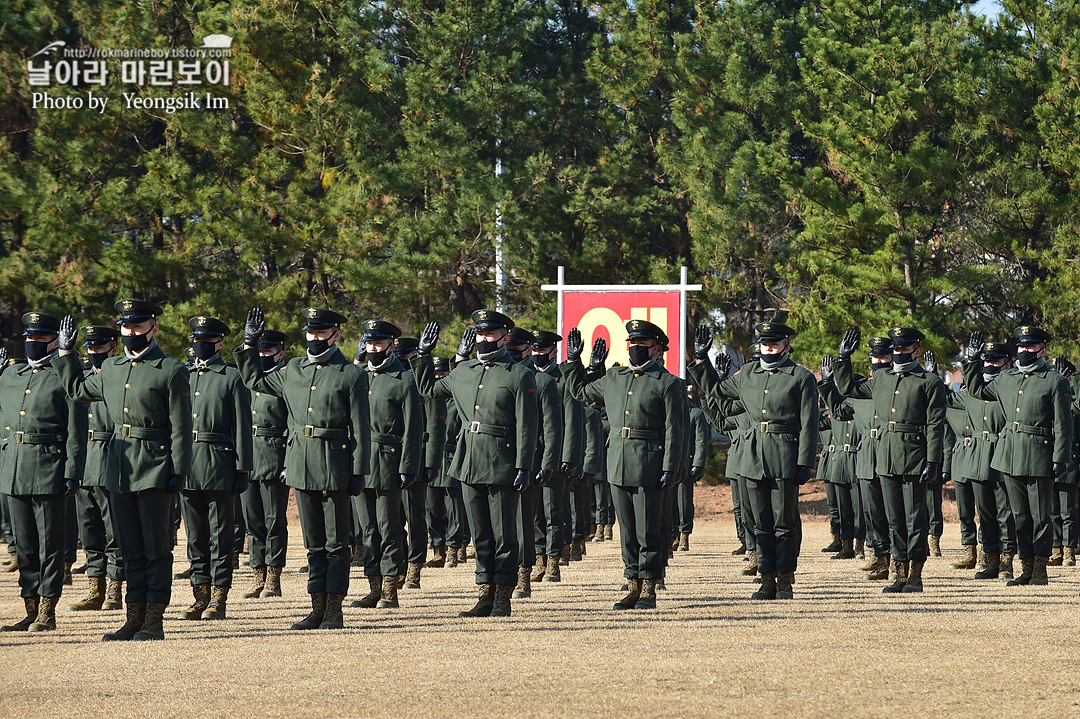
{"type": "Point", "coordinates": [125, 430]}
{"type": "Point", "coordinates": [309, 430]}
{"type": "Point", "coordinates": [986, 435]}
{"type": "Point", "coordinates": [20, 437]}
{"type": "Point", "coordinates": [254, 431]}
{"type": "Point", "coordinates": [847, 446]}
{"type": "Point", "coordinates": [474, 426]}
{"type": "Point", "coordinates": [763, 427]}
{"type": "Point", "coordinates": [1015, 427]}
{"type": "Point", "coordinates": [194, 435]}
{"type": "Point", "coordinates": [874, 432]}
{"type": "Point", "coordinates": [891, 426]}
{"type": "Point", "coordinates": [832, 447]}
{"type": "Point", "coordinates": [624, 433]}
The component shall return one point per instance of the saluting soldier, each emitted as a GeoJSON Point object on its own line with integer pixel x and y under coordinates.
{"type": "Point", "coordinates": [698, 450]}
{"type": "Point", "coordinates": [327, 453]}
{"type": "Point", "coordinates": [1063, 512]}
{"type": "Point", "coordinates": [909, 406]}
{"type": "Point", "coordinates": [645, 452]}
{"type": "Point", "coordinates": [842, 450]}
{"type": "Point", "coordinates": [496, 398]}
{"type": "Point", "coordinates": [148, 397]}
{"type": "Point", "coordinates": [221, 461]}
{"type": "Point", "coordinates": [96, 528]}
{"type": "Point", "coordinates": [1035, 446]}
{"type": "Point", "coordinates": [44, 447]}
{"type": "Point", "coordinates": [957, 450]}
{"type": "Point", "coordinates": [782, 447]}
{"type": "Point", "coordinates": [444, 513]}
{"type": "Point", "coordinates": [266, 499]}
{"type": "Point", "coordinates": [593, 465]}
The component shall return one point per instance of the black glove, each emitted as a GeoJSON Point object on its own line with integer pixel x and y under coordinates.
{"type": "Point", "coordinates": [468, 343]}
{"type": "Point", "coordinates": [723, 364]}
{"type": "Point", "coordinates": [599, 355]}
{"type": "Point", "coordinates": [407, 480]}
{"type": "Point", "coordinates": [240, 483]}
{"type": "Point", "coordinates": [696, 472]}
{"type": "Point", "coordinates": [975, 346]}
{"type": "Point", "coordinates": [1061, 366]}
{"type": "Point", "coordinates": [281, 477]}
{"type": "Point", "coordinates": [361, 352]}
{"type": "Point", "coordinates": [567, 468]}
{"type": "Point", "coordinates": [431, 474]}
{"type": "Point", "coordinates": [71, 486]}
{"type": "Point", "coordinates": [668, 479]}
{"type": "Point", "coordinates": [67, 333]}
{"type": "Point", "coordinates": [850, 343]}
{"type": "Point", "coordinates": [542, 477]}
{"type": "Point", "coordinates": [428, 339]}
{"type": "Point", "coordinates": [946, 476]}
{"type": "Point", "coordinates": [588, 476]}
{"type": "Point", "coordinates": [930, 362]}
{"type": "Point", "coordinates": [521, 481]}
{"type": "Point", "coordinates": [3, 358]}
{"type": "Point", "coordinates": [175, 484]}
{"type": "Point", "coordinates": [827, 368]}
{"type": "Point", "coordinates": [803, 475]}
{"type": "Point", "coordinates": [254, 327]}
{"type": "Point", "coordinates": [356, 485]}
{"type": "Point", "coordinates": [1060, 468]}
{"type": "Point", "coordinates": [929, 473]}
{"type": "Point", "coordinates": [574, 345]}
{"type": "Point", "coordinates": [702, 342]}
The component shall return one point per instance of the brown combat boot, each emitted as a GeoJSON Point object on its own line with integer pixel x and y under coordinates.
{"type": "Point", "coordinates": [914, 578]}
{"type": "Point", "coordinates": [899, 576]}
{"type": "Point", "coordinates": [333, 617]}
{"type": "Point", "coordinates": [484, 603]}
{"type": "Point", "coordinates": [834, 546]}
{"type": "Point", "coordinates": [881, 572]}
{"type": "Point", "coordinates": [1070, 557]}
{"type": "Point", "coordinates": [451, 557]}
{"type": "Point", "coordinates": [592, 533]}
{"type": "Point", "coordinates": [1057, 557]}
{"type": "Point", "coordinates": [1006, 566]}
{"type": "Point", "coordinates": [438, 558]}
{"type": "Point", "coordinates": [1038, 573]}
{"type": "Point", "coordinates": [31, 606]}
{"type": "Point", "coordinates": [152, 627]}
{"type": "Point", "coordinates": [389, 599]}
{"type": "Point", "coordinates": [114, 595]}
{"type": "Point", "coordinates": [260, 582]}
{"type": "Point", "coordinates": [860, 548]}
{"type": "Point", "coordinates": [871, 565]}
{"type": "Point", "coordinates": [46, 618]}
{"type": "Point", "coordinates": [784, 586]}
{"type": "Point", "coordinates": [740, 550]}
{"type": "Point", "coordinates": [201, 593]}
{"type": "Point", "coordinates": [575, 551]}
{"type": "Point", "coordinates": [554, 574]}
{"type": "Point", "coordinates": [68, 579]}
{"type": "Point", "coordinates": [992, 568]}
{"type": "Point", "coordinates": [1027, 569]}
{"type": "Point", "coordinates": [684, 541]}
{"type": "Point", "coordinates": [634, 586]}
{"type": "Point", "coordinates": [647, 600]}
{"type": "Point", "coordinates": [500, 607]}
{"type": "Point", "coordinates": [750, 569]}
{"type": "Point", "coordinates": [609, 531]}
{"type": "Point", "coordinates": [767, 590]}
{"type": "Point", "coordinates": [94, 598]}
{"type": "Point", "coordinates": [598, 536]}
{"type": "Point", "coordinates": [847, 550]}
{"type": "Point", "coordinates": [564, 557]}
{"type": "Point", "coordinates": [136, 615]}
{"type": "Point", "coordinates": [219, 598]}
{"type": "Point", "coordinates": [523, 590]}
{"type": "Point", "coordinates": [318, 610]}
{"type": "Point", "coordinates": [399, 580]}
{"type": "Point", "coordinates": [273, 582]}
{"type": "Point", "coordinates": [541, 568]}
{"type": "Point", "coordinates": [968, 558]}
{"type": "Point", "coordinates": [412, 575]}
{"type": "Point", "coordinates": [581, 547]}
{"type": "Point", "coordinates": [981, 559]}
{"type": "Point", "coordinates": [371, 599]}
{"type": "Point", "coordinates": [935, 546]}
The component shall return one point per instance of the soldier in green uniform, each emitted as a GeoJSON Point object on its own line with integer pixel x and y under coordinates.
{"type": "Point", "coordinates": [909, 407]}
{"type": "Point", "coordinates": [736, 424]}
{"type": "Point", "coordinates": [604, 506]}
{"type": "Point", "coordinates": [699, 449]}
{"type": "Point", "coordinates": [934, 498]}
{"type": "Point", "coordinates": [96, 529]}
{"type": "Point", "coordinates": [958, 444]}
{"type": "Point", "coordinates": [397, 459]}
{"type": "Point", "coordinates": [327, 452]}
{"type": "Point", "coordinates": [592, 467]}
{"type": "Point", "coordinates": [496, 398]}
{"type": "Point", "coordinates": [1035, 446]}
{"type": "Point", "coordinates": [842, 450]}
{"type": "Point", "coordinates": [1064, 506]}
{"type": "Point", "coordinates": [44, 454]}
{"type": "Point", "coordinates": [148, 397]}
{"type": "Point", "coordinates": [645, 452]}
{"type": "Point", "coordinates": [782, 398]}
{"type": "Point", "coordinates": [267, 497]}
{"type": "Point", "coordinates": [444, 492]}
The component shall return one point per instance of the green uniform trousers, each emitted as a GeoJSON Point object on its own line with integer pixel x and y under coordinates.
{"type": "Point", "coordinates": [526, 524]}
{"type": "Point", "coordinates": [444, 516]}
{"type": "Point", "coordinates": [380, 515]}
{"type": "Point", "coordinates": [493, 514]}
{"type": "Point", "coordinates": [98, 534]}
{"type": "Point", "coordinates": [39, 521]}
{"type": "Point", "coordinates": [847, 499]}
{"type": "Point", "coordinates": [603, 508]}
{"type": "Point", "coordinates": [965, 508]}
{"type": "Point", "coordinates": [875, 517]}
{"type": "Point", "coordinates": [997, 528]}
{"type": "Point", "coordinates": [909, 521]}
{"type": "Point", "coordinates": [143, 523]}
{"type": "Point", "coordinates": [414, 518]}
{"type": "Point", "coordinates": [265, 504]}
{"type": "Point", "coordinates": [1031, 500]}
{"type": "Point", "coordinates": [933, 509]}
{"type": "Point", "coordinates": [737, 510]}
{"type": "Point", "coordinates": [549, 520]}
{"type": "Point", "coordinates": [1063, 515]}
{"type": "Point", "coordinates": [325, 521]}
{"type": "Point", "coordinates": [777, 524]}
{"type": "Point", "coordinates": [71, 532]}
{"type": "Point", "coordinates": [580, 510]}
{"type": "Point", "coordinates": [684, 507]}
{"type": "Point", "coordinates": [638, 510]}
{"type": "Point", "coordinates": [209, 521]}
{"type": "Point", "coordinates": [749, 528]}
{"type": "Point", "coordinates": [833, 503]}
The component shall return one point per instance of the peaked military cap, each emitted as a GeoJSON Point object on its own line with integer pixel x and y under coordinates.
{"type": "Point", "coordinates": [492, 320]}
{"type": "Point", "coordinates": [543, 338]}
{"type": "Point", "coordinates": [904, 336]}
{"type": "Point", "coordinates": [773, 331]}
{"type": "Point", "coordinates": [406, 345]}
{"type": "Point", "coordinates": [272, 338]}
{"type": "Point", "coordinates": [996, 350]}
{"type": "Point", "coordinates": [99, 335]}
{"type": "Point", "coordinates": [205, 327]}
{"type": "Point", "coordinates": [39, 323]}
{"type": "Point", "coordinates": [1025, 335]}
{"type": "Point", "coordinates": [132, 311]}
{"type": "Point", "coordinates": [189, 352]}
{"type": "Point", "coordinates": [880, 345]}
{"type": "Point", "coordinates": [441, 364]}
{"type": "Point", "coordinates": [521, 336]}
{"type": "Point", "coordinates": [755, 350]}
{"type": "Point", "coordinates": [380, 330]}
{"type": "Point", "coordinates": [645, 330]}
{"type": "Point", "coordinates": [317, 318]}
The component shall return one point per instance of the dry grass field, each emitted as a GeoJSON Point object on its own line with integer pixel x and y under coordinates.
{"type": "Point", "coordinates": [839, 649]}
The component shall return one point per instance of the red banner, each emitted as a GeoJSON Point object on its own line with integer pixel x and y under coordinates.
{"type": "Point", "coordinates": [605, 314]}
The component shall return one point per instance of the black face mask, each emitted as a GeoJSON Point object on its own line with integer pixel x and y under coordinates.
{"type": "Point", "coordinates": [203, 349]}
{"type": "Point", "coordinates": [135, 343]}
{"type": "Point", "coordinates": [36, 350]}
{"type": "Point", "coordinates": [486, 348]}
{"type": "Point", "coordinates": [542, 360]}
{"type": "Point", "coordinates": [97, 359]}
{"type": "Point", "coordinates": [904, 358]}
{"type": "Point", "coordinates": [518, 354]}
{"type": "Point", "coordinates": [1023, 357]}
{"type": "Point", "coordinates": [376, 359]}
{"type": "Point", "coordinates": [317, 347]}
{"type": "Point", "coordinates": [268, 363]}
{"type": "Point", "coordinates": [991, 369]}
{"type": "Point", "coordinates": [639, 355]}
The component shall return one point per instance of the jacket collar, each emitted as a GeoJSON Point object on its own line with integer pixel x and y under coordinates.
{"type": "Point", "coordinates": [153, 354]}
{"type": "Point", "coordinates": [215, 364]}
{"type": "Point", "coordinates": [336, 359]}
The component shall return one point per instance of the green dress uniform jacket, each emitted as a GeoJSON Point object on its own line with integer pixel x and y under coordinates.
{"type": "Point", "coordinates": [434, 432]}
{"type": "Point", "coordinates": [451, 438]}
{"type": "Point", "coordinates": [269, 424]}
{"type": "Point", "coordinates": [573, 433]}
{"type": "Point", "coordinates": [699, 429]}
{"type": "Point", "coordinates": [985, 420]}
{"type": "Point", "coordinates": [220, 408]}
{"type": "Point", "coordinates": [594, 442]}
{"type": "Point", "coordinates": [44, 440]}
{"type": "Point", "coordinates": [843, 444]}
{"type": "Point", "coordinates": [100, 433]}
{"type": "Point", "coordinates": [397, 427]}
{"type": "Point", "coordinates": [958, 444]}
{"type": "Point", "coordinates": [329, 432]}
{"type": "Point", "coordinates": [551, 444]}
{"type": "Point", "coordinates": [149, 399]}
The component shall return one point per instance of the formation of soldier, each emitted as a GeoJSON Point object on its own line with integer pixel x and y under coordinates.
{"type": "Point", "coordinates": [397, 452]}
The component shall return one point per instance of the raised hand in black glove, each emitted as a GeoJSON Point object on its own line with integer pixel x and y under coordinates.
{"type": "Point", "coordinates": [702, 342]}
{"type": "Point", "coordinates": [723, 364]}
{"type": "Point", "coordinates": [428, 339]}
{"type": "Point", "coordinates": [406, 480]}
{"type": "Point", "coordinates": [849, 343]}
{"type": "Point", "coordinates": [67, 333]}
{"type": "Point", "coordinates": [929, 473]}
{"type": "Point", "coordinates": [827, 368]}
{"type": "Point", "coordinates": [930, 362]}
{"type": "Point", "coordinates": [71, 486]}
{"type": "Point", "coordinates": [468, 342]}
{"type": "Point", "coordinates": [574, 345]}
{"type": "Point", "coordinates": [356, 485]}
{"type": "Point", "coordinates": [175, 484]}
{"type": "Point", "coordinates": [521, 481]}
{"type": "Point", "coordinates": [1060, 468]}
{"type": "Point", "coordinates": [3, 358]}
{"type": "Point", "coordinates": [240, 482]}
{"type": "Point", "coordinates": [1061, 366]}
{"type": "Point", "coordinates": [361, 352]}
{"type": "Point", "coordinates": [667, 479]}
{"type": "Point", "coordinates": [974, 346]}
{"type": "Point", "coordinates": [599, 354]}
{"type": "Point", "coordinates": [254, 327]}
{"type": "Point", "coordinates": [802, 476]}
{"type": "Point", "coordinates": [542, 477]}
